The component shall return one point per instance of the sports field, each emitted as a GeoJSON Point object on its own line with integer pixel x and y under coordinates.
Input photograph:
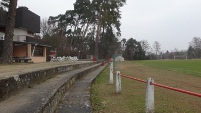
{"type": "Point", "coordinates": [192, 67]}
{"type": "Point", "coordinates": [183, 74]}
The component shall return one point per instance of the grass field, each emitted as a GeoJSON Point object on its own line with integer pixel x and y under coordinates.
{"type": "Point", "coordinates": [192, 67]}
{"type": "Point", "coordinates": [178, 73]}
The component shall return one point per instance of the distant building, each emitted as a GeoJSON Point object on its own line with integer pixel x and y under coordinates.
{"type": "Point", "coordinates": [25, 44]}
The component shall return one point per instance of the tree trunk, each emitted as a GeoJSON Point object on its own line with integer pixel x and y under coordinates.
{"type": "Point", "coordinates": [7, 54]}
{"type": "Point", "coordinates": [75, 32]}
{"type": "Point", "coordinates": [86, 29]}
{"type": "Point", "coordinates": [84, 35]}
{"type": "Point", "coordinates": [98, 34]}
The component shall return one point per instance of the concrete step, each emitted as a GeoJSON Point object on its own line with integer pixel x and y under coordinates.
{"type": "Point", "coordinates": [13, 82]}
{"type": "Point", "coordinates": [77, 99]}
{"type": "Point", "coordinates": [44, 97]}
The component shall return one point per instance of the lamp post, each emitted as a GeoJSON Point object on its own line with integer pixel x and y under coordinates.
{"type": "Point", "coordinates": [79, 55]}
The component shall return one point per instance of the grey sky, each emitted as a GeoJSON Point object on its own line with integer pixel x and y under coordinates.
{"type": "Point", "coordinates": [173, 23]}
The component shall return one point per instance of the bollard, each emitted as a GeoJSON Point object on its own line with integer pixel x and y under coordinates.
{"type": "Point", "coordinates": [149, 96]}
{"type": "Point", "coordinates": [118, 82]}
{"type": "Point", "coordinates": [111, 73]}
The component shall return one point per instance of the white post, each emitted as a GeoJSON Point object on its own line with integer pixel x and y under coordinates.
{"type": "Point", "coordinates": [121, 64]}
{"type": "Point", "coordinates": [118, 82]}
{"type": "Point", "coordinates": [34, 49]}
{"type": "Point", "coordinates": [111, 73]}
{"type": "Point", "coordinates": [149, 97]}
{"type": "Point", "coordinates": [118, 64]}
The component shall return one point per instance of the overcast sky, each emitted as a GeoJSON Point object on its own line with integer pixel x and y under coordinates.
{"type": "Point", "coordinates": [173, 23]}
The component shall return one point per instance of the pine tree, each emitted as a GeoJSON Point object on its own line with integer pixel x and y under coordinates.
{"type": "Point", "coordinates": [7, 54]}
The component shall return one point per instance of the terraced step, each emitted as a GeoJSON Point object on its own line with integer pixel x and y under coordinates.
{"type": "Point", "coordinates": [13, 81]}
{"type": "Point", "coordinates": [77, 99]}
{"type": "Point", "coordinates": [44, 97]}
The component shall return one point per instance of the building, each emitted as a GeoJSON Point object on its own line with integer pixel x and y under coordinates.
{"type": "Point", "coordinates": [25, 44]}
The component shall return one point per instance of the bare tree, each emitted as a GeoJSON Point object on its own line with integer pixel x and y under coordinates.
{"type": "Point", "coordinates": [156, 47]}
{"type": "Point", "coordinates": [145, 46]}
{"type": "Point", "coordinates": [46, 28]}
{"type": "Point", "coordinates": [196, 43]}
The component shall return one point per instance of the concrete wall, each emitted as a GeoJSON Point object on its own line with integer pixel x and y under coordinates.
{"type": "Point", "coordinates": [18, 32]}
{"type": "Point", "coordinates": [21, 32]}
{"type": "Point", "coordinates": [17, 82]}
{"type": "Point", "coordinates": [36, 59]}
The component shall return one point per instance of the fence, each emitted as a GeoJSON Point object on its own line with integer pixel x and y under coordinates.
{"type": "Point", "coordinates": [149, 103]}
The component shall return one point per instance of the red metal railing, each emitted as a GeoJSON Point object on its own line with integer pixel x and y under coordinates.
{"type": "Point", "coordinates": [140, 80]}
{"type": "Point", "coordinates": [163, 86]}
{"type": "Point", "coordinates": [177, 89]}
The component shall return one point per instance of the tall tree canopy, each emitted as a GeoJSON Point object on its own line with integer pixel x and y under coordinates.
{"type": "Point", "coordinates": [4, 4]}
{"type": "Point", "coordinates": [90, 20]}
{"type": "Point", "coordinates": [108, 44]}
{"type": "Point", "coordinates": [108, 16]}
{"type": "Point", "coordinates": [134, 50]}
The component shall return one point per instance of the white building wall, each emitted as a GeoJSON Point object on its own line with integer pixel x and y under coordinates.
{"type": "Point", "coordinates": [18, 32]}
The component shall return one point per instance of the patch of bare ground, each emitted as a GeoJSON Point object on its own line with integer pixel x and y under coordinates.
{"type": "Point", "coordinates": [132, 98]}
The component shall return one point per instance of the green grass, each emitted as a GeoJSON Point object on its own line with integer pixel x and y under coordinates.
{"type": "Point", "coordinates": [192, 67]}
{"type": "Point", "coordinates": [132, 97]}
{"type": "Point", "coordinates": [105, 100]}
{"type": "Point", "coordinates": [95, 98]}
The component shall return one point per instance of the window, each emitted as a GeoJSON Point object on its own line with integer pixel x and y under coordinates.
{"type": "Point", "coordinates": [38, 50]}
{"type": "Point", "coordinates": [30, 33]}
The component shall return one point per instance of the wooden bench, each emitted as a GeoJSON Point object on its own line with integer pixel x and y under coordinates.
{"type": "Point", "coordinates": [21, 59]}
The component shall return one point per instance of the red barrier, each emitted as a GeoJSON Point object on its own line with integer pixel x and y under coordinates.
{"type": "Point", "coordinates": [177, 89]}
{"type": "Point", "coordinates": [164, 86]}
{"type": "Point", "coordinates": [140, 80]}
